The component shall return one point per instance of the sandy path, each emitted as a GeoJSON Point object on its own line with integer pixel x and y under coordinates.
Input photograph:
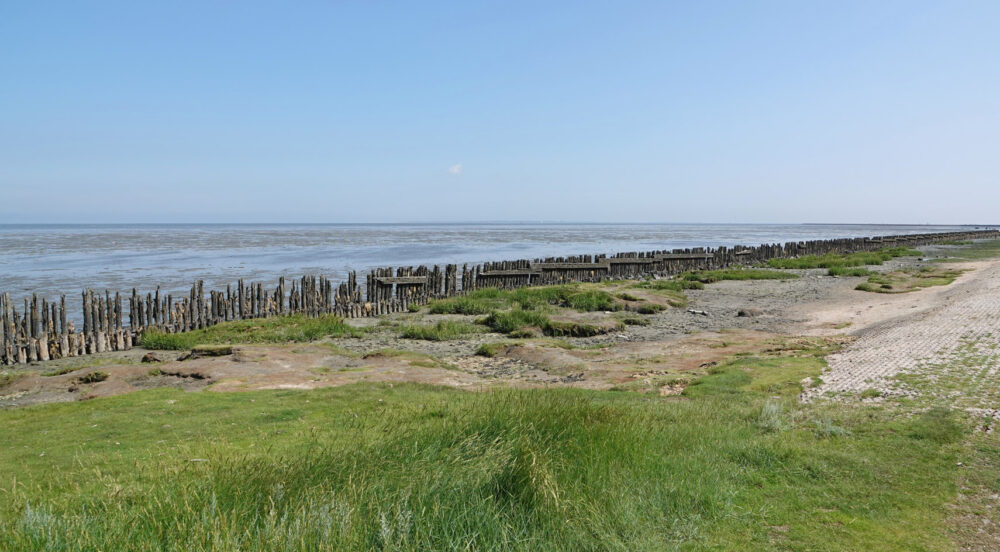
{"type": "Point", "coordinates": [948, 337]}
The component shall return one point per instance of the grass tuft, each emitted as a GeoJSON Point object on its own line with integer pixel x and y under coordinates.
{"type": "Point", "coordinates": [7, 378]}
{"type": "Point", "coordinates": [710, 276]}
{"type": "Point", "coordinates": [519, 323]}
{"type": "Point", "coordinates": [907, 280]}
{"type": "Point", "coordinates": [59, 371]}
{"type": "Point", "coordinates": [93, 377]}
{"type": "Point", "coordinates": [649, 308]}
{"type": "Point", "coordinates": [490, 350]}
{"type": "Point", "coordinates": [282, 329]}
{"type": "Point", "coordinates": [832, 260]}
{"type": "Point", "coordinates": [850, 271]}
{"type": "Point", "coordinates": [986, 249]}
{"type": "Point", "coordinates": [441, 331]}
{"type": "Point", "coordinates": [485, 301]}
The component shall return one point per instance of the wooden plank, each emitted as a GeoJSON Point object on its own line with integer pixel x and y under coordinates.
{"type": "Point", "coordinates": [514, 272]}
{"type": "Point", "coordinates": [683, 256]}
{"type": "Point", "coordinates": [568, 266]}
{"type": "Point", "coordinates": [628, 260]}
{"type": "Point", "coordinates": [386, 280]}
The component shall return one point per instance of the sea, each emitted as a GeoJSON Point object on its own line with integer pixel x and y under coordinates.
{"type": "Point", "coordinates": [54, 259]}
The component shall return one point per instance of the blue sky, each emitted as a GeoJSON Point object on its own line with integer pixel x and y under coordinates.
{"type": "Point", "coordinates": [792, 111]}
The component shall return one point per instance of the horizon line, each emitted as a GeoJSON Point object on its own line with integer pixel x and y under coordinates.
{"type": "Point", "coordinates": [485, 223]}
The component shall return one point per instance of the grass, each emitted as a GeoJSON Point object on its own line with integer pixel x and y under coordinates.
{"type": "Point", "coordinates": [987, 249]}
{"type": "Point", "coordinates": [71, 364]}
{"type": "Point", "coordinates": [635, 321]}
{"type": "Point", "coordinates": [850, 271]}
{"type": "Point", "coordinates": [93, 377]}
{"type": "Point", "coordinates": [669, 285]}
{"type": "Point", "coordinates": [7, 378]}
{"type": "Point", "coordinates": [490, 350]}
{"type": "Point", "coordinates": [672, 290]}
{"type": "Point", "coordinates": [904, 281]}
{"type": "Point", "coordinates": [871, 394]}
{"type": "Point", "coordinates": [506, 322]}
{"type": "Point", "coordinates": [841, 260]}
{"type": "Point", "coordinates": [411, 357]}
{"type": "Point", "coordinates": [710, 276]}
{"type": "Point", "coordinates": [956, 242]}
{"type": "Point", "coordinates": [519, 322]}
{"type": "Point", "coordinates": [485, 301]}
{"type": "Point", "coordinates": [441, 331]}
{"type": "Point", "coordinates": [649, 308]}
{"type": "Point", "coordinates": [59, 371]}
{"type": "Point", "coordinates": [282, 329]}
{"type": "Point", "coordinates": [738, 465]}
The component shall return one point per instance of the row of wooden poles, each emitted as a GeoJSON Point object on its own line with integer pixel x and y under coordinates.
{"type": "Point", "coordinates": [41, 330]}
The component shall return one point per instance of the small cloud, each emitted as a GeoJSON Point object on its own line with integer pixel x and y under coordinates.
{"type": "Point", "coordinates": [455, 169]}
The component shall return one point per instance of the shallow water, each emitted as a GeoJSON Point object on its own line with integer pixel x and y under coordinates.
{"type": "Point", "coordinates": [54, 259]}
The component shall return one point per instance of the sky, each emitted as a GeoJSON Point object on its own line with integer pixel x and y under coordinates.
{"type": "Point", "coordinates": [385, 111]}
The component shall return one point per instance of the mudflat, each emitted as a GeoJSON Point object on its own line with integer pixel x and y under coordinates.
{"type": "Point", "coordinates": [883, 338]}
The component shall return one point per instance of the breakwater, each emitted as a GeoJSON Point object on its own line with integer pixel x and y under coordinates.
{"type": "Point", "coordinates": [40, 329]}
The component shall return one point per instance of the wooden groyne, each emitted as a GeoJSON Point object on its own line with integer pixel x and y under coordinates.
{"type": "Point", "coordinates": [41, 330]}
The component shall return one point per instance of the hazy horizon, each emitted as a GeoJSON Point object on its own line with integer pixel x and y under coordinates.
{"type": "Point", "coordinates": [490, 223]}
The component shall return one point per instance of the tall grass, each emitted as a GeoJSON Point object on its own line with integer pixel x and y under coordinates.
{"type": "Point", "coordinates": [515, 322]}
{"type": "Point", "coordinates": [441, 331]}
{"type": "Point", "coordinates": [282, 329]}
{"type": "Point", "coordinates": [736, 466]}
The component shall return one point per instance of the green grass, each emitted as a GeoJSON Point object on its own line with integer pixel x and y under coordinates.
{"type": "Point", "coordinates": [441, 331]}
{"type": "Point", "coordinates": [93, 377]}
{"type": "Point", "coordinates": [850, 271]}
{"type": "Point", "coordinates": [672, 290]}
{"type": "Point", "coordinates": [738, 465]}
{"type": "Point", "coordinates": [909, 280]}
{"type": "Point", "coordinates": [956, 242]}
{"type": "Point", "coordinates": [649, 308]}
{"type": "Point", "coordinates": [635, 321]}
{"type": "Point", "coordinates": [282, 329]}
{"type": "Point", "coordinates": [871, 394]}
{"type": "Point", "coordinates": [987, 249]}
{"type": "Point", "coordinates": [838, 260]}
{"type": "Point", "coordinates": [59, 371]}
{"type": "Point", "coordinates": [518, 322]}
{"type": "Point", "coordinates": [490, 350]}
{"type": "Point", "coordinates": [669, 285]}
{"type": "Point", "coordinates": [506, 322]}
{"type": "Point", "coordinates": [485, 301]}
{"type": "Point", "coordinates": [63, 366]}
{"type": "Point", "coordinates": [482, 301]}
{"type": "Point", "coordinates": [710, 276]}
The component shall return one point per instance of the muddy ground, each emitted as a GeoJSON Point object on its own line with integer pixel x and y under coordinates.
{"type": "Point", "coordinates": [677, 345]}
